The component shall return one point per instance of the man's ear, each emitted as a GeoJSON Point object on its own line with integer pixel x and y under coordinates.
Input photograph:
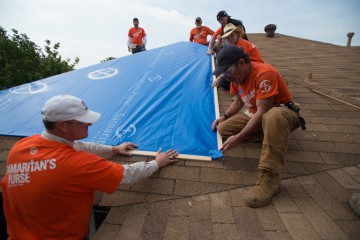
{"type": "Point", "coordinates": [60, 126]}
{"type": "Point", "coordinates": [241, 61]}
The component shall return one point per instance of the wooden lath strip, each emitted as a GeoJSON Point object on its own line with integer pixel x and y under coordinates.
{"type": "Point", "coordinates": [180, 156]}
{"type": "Point", "coordinates": [216, 103]}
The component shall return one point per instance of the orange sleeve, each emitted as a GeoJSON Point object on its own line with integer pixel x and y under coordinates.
{"type": "Point", "coordinates": [251, 49]}
{"type": "Point", "coordinates": [144, 33]}
{"type": "Point", "coordinates": [233, 89]}
{"type": "Point", "coordinates": [271, 84]}
{"type": "Point", "coordinates": [209, 31]}
{"type": "Point", "coordinates": [218, 32]}
{"type": "Point", "coordinates": [191, 35]}
{"type": "Point", "coordinates": [266, 85]}
{"type": "Point", "coordinates": [97, 173]}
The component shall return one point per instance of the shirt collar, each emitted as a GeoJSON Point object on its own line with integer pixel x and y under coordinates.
{"type": "Point", "coordinates": [53, 137]}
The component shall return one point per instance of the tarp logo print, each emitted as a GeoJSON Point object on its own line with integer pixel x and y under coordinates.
{"type": "Point", "coordinates": [125, 132]}
{"type": "Point", "coordinates": [29, 88]}
{"type": "Point", "coordinates": [154, 78]}
{"type": "Point", "coordinates": [103, 73]}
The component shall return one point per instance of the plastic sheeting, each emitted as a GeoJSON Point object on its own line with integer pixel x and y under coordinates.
{"type": "Point", "coordinates": [158, 98]}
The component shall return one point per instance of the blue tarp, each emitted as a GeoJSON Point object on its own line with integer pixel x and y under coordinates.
{"type": "Point", "coordinates": [158, 98]}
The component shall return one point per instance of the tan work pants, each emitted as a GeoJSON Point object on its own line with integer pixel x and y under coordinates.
{"type": "Point", "coordinates": [276, 126]}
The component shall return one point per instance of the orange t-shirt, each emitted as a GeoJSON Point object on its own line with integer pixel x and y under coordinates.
{"type": "Point", "coordinates": [251, 49]}
{"type": "Point", "coordinates": [136, 35]}
{"type": "Point", "coordinates": [217, 33]}
{"type": "Point", "coordinates": [49, 189]}
{"type": "Point", "coordinates": [263, 81]}
{"type": "Point", "coordinates": [199, 35]}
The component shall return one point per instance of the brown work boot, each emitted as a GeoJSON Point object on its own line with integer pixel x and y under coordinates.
{"type": "Point", "coordinates": [266, 187]}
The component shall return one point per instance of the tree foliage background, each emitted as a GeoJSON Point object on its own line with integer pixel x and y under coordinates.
{"type": "Point", "coordinates": [108, 59]}
{"type": "Point", "coordinates": [22, 61]}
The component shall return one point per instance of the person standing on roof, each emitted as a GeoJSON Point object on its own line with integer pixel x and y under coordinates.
{"type": "Point", "coordinates": [223, 18]}
{"type": "Point", "coordinates": [199, 33]}
{"type": "Point", "coordinates": [51, 178]}
{"type": "Point", "coordinates": [136, 38]}
{"type": "Point", "coordinates": [259, 87]}
{"type": "Point", "coordinates": [232, 35]}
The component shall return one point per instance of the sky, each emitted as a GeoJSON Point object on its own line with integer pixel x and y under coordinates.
{"type": "Point", "coordinates": [94, 30]}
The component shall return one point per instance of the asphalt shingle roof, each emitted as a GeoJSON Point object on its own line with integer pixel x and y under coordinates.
{"type": "Point", "coordinates": [203, 200]}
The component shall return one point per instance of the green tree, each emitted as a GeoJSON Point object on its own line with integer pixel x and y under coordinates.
{"type": "Point", "coordinates": [108, 59]}
{"type": "Point", "coordinates": [22, 61]}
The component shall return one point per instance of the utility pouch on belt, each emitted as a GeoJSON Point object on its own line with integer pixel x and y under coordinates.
{"type": "Point", "coordinates": [302, 123]}
{"type": "Point", "coordinates": [292, 107]}
{"type": "Point", "coordinates": [296, 109]}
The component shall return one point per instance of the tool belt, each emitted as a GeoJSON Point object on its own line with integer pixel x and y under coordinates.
{"type": "Point", "coordinates": [296, 109]}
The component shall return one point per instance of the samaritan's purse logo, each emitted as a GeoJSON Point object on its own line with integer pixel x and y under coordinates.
{"type": "Point", "coordinates": [265, 86]}
{"type": "Point", "coordinates": [33, 150]}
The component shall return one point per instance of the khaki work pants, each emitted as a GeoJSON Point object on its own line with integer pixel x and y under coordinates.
{"type": "Point", "coordinates": [277, 123]}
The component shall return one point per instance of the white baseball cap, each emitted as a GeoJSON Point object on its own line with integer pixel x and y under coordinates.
{"type": "Point", "coordinates": [66, 108]}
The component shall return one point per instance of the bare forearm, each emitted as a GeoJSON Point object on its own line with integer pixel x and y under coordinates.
{"type": "Point", "coordinates": [234, 108]}
{"type": "Point", "coordinates": [212, 42]}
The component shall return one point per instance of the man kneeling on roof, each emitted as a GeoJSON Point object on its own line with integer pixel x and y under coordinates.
{"type": "Point", "coordinates": [260, 88]}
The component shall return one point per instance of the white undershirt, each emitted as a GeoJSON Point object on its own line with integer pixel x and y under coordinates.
{"type": "Point", "coordinates": [132, 172]}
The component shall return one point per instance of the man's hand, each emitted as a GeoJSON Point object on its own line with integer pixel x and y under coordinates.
{"type": "Point", "coordinates": [217, 122]}
{"type": "Point", "coordinates": [231, 142]}
{"type": "Point", "coordinates": [123, 148]}
{"type": "Point", "coordinates": [210, 51]}
{"type": "Point", "coordinates": [164, 159]}
{"type": "Point", "coordinates": [216, 82]}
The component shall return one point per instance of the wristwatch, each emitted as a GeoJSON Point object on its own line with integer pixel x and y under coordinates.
{"type": "Point", "coordinates": [225, 116]}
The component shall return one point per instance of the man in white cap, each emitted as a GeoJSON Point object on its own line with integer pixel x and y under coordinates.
{"type": "Point", "coordinates": [49, 186]}
{"type": "Point", "coordinates": [260, 88]}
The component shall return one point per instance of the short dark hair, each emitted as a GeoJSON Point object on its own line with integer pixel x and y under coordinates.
{"type": "Point", "coordinates": [135, 19]}
{"type": "Point", "coordinates": [49, 125]}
